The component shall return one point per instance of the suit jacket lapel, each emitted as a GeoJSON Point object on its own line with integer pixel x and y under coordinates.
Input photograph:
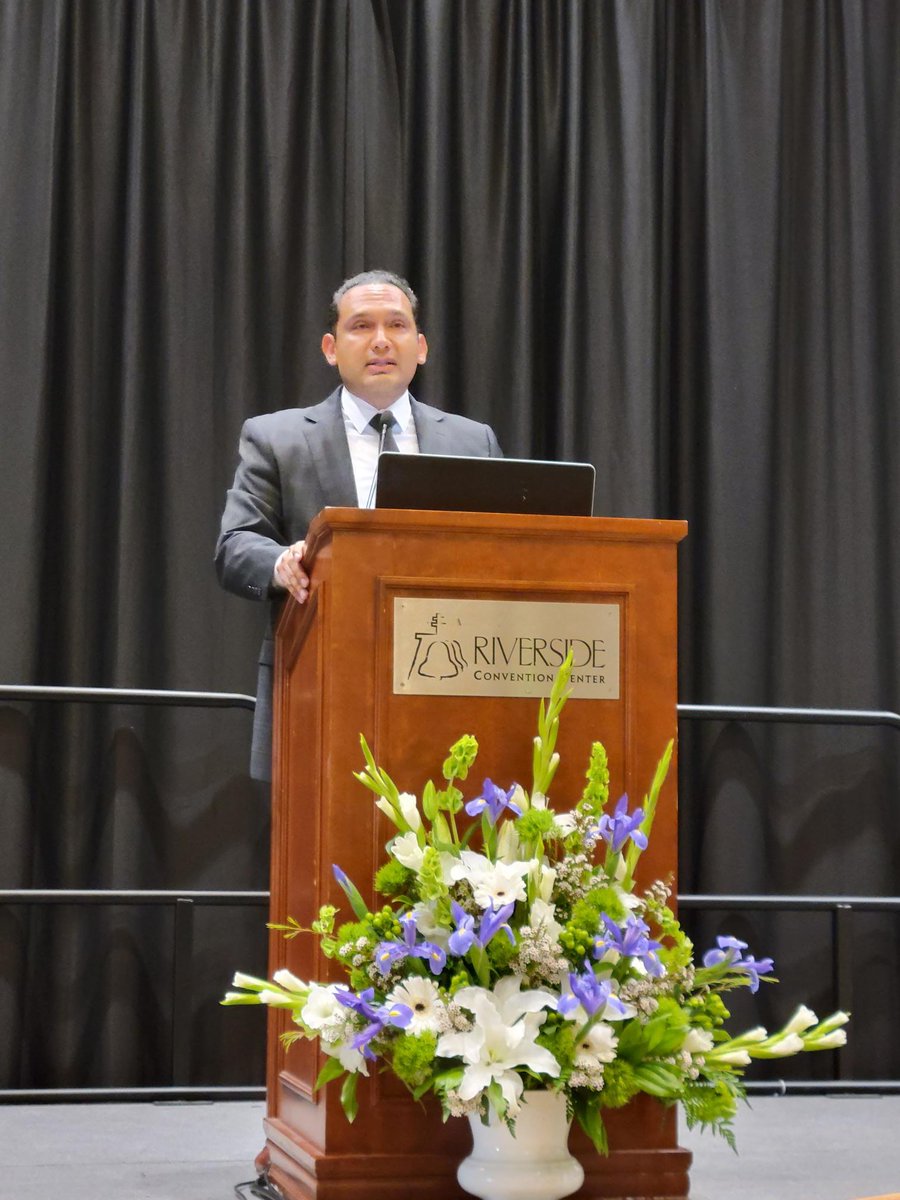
{"type": "Point", "coordinates": [430, 428]}
{"type": "Point", "coordinates": [330, 452]}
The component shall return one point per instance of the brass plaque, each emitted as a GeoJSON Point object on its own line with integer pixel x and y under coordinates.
{"type": "Point", "coordinates": [446, 647]}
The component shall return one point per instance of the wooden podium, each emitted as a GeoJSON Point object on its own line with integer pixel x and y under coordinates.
{"type": "Point", "coordinates": [335, 679]}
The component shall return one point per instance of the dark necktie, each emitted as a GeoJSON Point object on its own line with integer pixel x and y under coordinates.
{"type": "Point", "coordinates": [384, 424]}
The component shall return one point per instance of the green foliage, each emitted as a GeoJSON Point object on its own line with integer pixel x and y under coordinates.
{"type": "Point", "coordinates": [712, 1102]}
{"type": "Point", "coordinates": [619, 1083]}
{"type": "Point", "coordinates": [680, 952]}
{"type": "Point", "coordinates": [462, 755]}
{"type": "Point", "coordinates": [331, 1070]}
{"type": "Point", "coordinates": [588, 1116]}
{"type": "Point", "coordinates": [393, 878]}
{"type": "Point", "coordinates": [290, 929]}
{"type": "Point", "coordinates": [501, 952]}
{"type": "Point", "coordinates": [385, 924]}
{"type": "Point", "coordinates": [558, 1036]}
{"type": "Point", "coordinates": [665, 1031]}
{"type": "Point", "coordinates": [707, 1011]}
{"type": "Point", "coordinates": [325, 922]}
{"type": "Point", "coordinates": [577, 937]}
{"type": "Point", "coordinates": [431, 879]}
{"type": "Point", "coordinates": [596, 793]}
{"type": "Point", "coordinates": [460, 979]}
{"type": "Point", "coordinates": [413, 1057]}
{"type": "Point", "coordinates": [534, 824]}
{"type": "Point", "coordinates": [349, 1102]}
{"type": "Point", "coordinates": [649, 806]}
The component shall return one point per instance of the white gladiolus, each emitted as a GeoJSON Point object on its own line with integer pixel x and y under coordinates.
{"type": "Point", "coordinates": [783, 1047]}
{"type": "Point", "coordinates": [757, 1034]}
{"type": "Point", "coordinates": [289, 981]}
{"type": "Point", "coordinates": [519, 798]}
{"type": "Point", "coordinates": [698, 1041]}
{"type": "Point", "coordinates": [828, 1041]}
{"type": "Point", "coordinates": [407, 851]}
{"type": "Point", "coordinates": [250, 982]}
{"type": "Point", "coordinates": [276, 999]}
{"type": "Point", "coordinates": [543, 916]}
{"type": "Point", "coordinates": [735, 1058]}
{"type": "Point", "coordinates": [410, 809]}
{"type": "Point", "coordinates": [802, 1019]}
{"type": "Point", "coordinates": [387, 808]}
{"type": "Point", "coordinates": [507, 843]}
{"type": "Point", "coordinates": [543, 879]}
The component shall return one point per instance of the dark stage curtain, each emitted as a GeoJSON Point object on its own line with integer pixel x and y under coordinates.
{"type": "Point", "coordinates": [656, 236]}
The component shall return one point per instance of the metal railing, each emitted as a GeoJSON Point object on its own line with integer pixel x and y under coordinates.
{"type": "Point", "coordinates": [183, 902]}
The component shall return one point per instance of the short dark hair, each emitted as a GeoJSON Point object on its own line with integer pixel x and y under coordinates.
{"type": "Point", "coordinates": [388, 277]}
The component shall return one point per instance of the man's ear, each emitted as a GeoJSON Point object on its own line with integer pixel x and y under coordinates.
{"type": "Point", "coordinates": [328, 349]}
{"type": "Point", "coordinates": [423, 349]}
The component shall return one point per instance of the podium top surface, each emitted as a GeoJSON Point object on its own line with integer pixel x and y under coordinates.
{"type": "Point", "coordinates": [618, 529]}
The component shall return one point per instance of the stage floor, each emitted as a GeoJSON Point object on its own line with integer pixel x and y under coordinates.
{"type": "Point", "coordinates": [790, 1148]}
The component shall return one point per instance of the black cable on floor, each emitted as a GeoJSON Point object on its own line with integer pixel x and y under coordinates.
{"type": "Point", "coordinates": [259, 1189]}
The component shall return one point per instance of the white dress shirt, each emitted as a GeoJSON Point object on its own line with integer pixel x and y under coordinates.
{"type": "Point", "coordinates": [363, 439]}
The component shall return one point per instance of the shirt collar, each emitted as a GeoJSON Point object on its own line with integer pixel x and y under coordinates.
{"type": "Point", "coordinates": [359, 412]}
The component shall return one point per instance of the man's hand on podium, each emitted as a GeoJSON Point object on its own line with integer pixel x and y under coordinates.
{"type": "Point", "coordinates": [289, 573]}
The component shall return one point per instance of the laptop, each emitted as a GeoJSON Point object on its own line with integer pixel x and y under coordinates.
{"type": "Point", "coordinates": [500, 485]}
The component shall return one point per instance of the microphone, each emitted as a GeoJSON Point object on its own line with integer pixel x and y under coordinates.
{"type": "Point", "coordinates": [384, 423]}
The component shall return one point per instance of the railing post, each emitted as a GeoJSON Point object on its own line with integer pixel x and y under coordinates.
{"type": "Point", "coordinates": [182, 991]}
{"type": "Point", "coordinates": [843, 971]}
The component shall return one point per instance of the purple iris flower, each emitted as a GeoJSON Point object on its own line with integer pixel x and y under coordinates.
{"type": "Point", "coordinates": [591, 993]}
{"type": "Point", "coordinates": [631, 941]}
{"type": "Point", "coordinates": [617, 829]}
{"type": "Point", "coordinates": [341, 876]}
{"type": "Point", "coordinates": [389, 953]}
{"type": "Point", "coordinates": [494, 799]}
{"type": "Point", "coordinates": [729, 950]}
{"type": "Point", "coordinates": [492, 922]}
{"type": "Point", "coordinates": [399, 1015]}
{"type": "Point", "coordinates": [462, 940]}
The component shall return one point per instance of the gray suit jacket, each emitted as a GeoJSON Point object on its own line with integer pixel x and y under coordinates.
{"type": "Point", "coordinates": [293, 464]}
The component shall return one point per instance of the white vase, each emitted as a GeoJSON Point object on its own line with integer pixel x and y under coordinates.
{"type": "Point", "coordinates": [533, 1165]}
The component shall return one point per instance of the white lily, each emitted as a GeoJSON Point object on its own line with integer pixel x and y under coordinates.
{"type": "Point", "coordinates": [322, 1009]}
{"type": "Point", "coordinates": [565, 822]}
{"type": "Point", "coordinates": [507, 1022]}
{"type": "Point", "coordinates": [351, 1060]}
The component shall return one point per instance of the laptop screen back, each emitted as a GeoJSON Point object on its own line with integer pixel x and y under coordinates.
{"type": "Point", "coordinates": [501, 485]}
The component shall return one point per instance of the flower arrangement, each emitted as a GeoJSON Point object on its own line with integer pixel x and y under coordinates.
{"type": "Point", "coordinates": [515, 952]}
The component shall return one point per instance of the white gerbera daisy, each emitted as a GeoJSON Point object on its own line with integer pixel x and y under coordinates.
{"type": "Point", "coordinates": [597, 1046]}
{"type": "Point", "coordinates": [493, 884]}
{"type": "Point", "coordinates": [422, 996]}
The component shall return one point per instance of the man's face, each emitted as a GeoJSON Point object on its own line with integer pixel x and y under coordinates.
{"type": "Point", "coordinates": [376, 346]}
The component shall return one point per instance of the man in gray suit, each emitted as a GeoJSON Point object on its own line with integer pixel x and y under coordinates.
{"type": "Point", "coordinates": [295, 462]}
